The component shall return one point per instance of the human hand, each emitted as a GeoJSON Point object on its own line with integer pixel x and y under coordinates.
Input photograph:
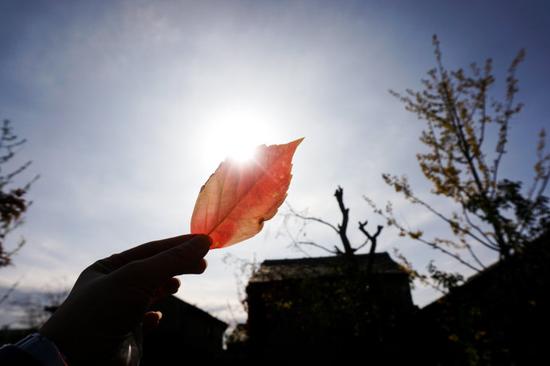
{"type": "Point", "coordinates": [110, 298]}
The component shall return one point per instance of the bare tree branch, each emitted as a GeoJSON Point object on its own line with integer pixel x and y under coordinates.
{"type": "Point", "coordinates": [311, 218]}
{"type": "Point", "coordinates": [342, 228]}
{"type": "Point", "coordinates": [361, 245]}
{"type": "Point", "coordinates": [8, 292]}
{"type": "Point", "coordinates": [313, 244]}
{"type": "Point", "coordinates": [373, 240]}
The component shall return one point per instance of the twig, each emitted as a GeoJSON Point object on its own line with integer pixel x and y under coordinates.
{"type": "Point", "coordinates": [311, 218]}
{"type": "Point", "coordinates": [313, 244]}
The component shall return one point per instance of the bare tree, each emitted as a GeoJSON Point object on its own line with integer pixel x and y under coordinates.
{"type": "Point", "coordinates": [13, 195]}
{"type": "Point", "coordinates": [490, 211]}
{"type": "Point", "coordinates": [13, 201]}
{"type": "Point", "coordinates": [243, 271]}
{"type": "Point", "coordinates": [345, 247]}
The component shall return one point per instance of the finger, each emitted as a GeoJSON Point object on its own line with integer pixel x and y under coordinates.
{"type": "Point", "coordinates": [182, 259]}
{"type": "Point", "coordinates": [151, 320]}
{"type": "Point", "coordinates": [170, 287]}
{"type": "Point", "coordinates": [140, 252]}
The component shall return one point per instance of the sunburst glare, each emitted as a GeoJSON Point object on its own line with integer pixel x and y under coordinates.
{"type": "Point", "coordinates": [235, 132]}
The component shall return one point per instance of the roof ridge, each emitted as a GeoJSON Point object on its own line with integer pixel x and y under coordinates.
{"type": "Point", "coordinates": [278, 269]}
{"type": "Point", "coordinates": [322, 259]}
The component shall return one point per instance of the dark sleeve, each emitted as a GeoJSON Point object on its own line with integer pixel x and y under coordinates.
{"type": "Point", "coordinates": [10, 355]}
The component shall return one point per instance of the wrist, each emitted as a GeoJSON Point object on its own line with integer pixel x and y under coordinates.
{"type": "Point", "coordinates": [49, 330]}
{"type": "Point", "coordinates": [42, 349]}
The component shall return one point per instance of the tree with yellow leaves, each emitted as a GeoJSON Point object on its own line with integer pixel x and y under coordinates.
{"type": "Point", "coordinates": [489, 210]}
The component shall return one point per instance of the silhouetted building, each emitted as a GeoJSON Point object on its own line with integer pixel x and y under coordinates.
{"type": "Point", "coordinates": [185, 333]}
{"type": "Point", "coordinates": [498, 317]}
{"type": "Point", "coordinates": [324, 305]}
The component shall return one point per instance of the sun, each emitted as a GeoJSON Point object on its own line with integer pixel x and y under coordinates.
{"type": "Point", "coordinates": [236, 131]}
{"type": "Point", "coordinates": [237, 139]}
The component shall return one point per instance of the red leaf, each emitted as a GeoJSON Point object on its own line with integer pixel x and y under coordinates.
{"type": "Point", "coordinates": [236, 200]}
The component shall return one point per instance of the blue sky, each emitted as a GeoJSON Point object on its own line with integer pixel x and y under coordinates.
{"type": "Point", "coordinates": [128, 106]}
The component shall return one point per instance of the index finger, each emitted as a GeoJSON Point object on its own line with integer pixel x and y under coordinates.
{"type": "Point", "coordinates": [181, 259]}
{"type": "Point", "coordinates": [141, 252]}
